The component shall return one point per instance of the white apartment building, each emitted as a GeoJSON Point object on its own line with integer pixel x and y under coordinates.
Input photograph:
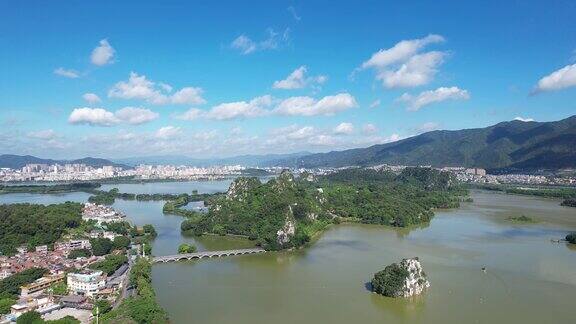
{"type": "Point", "coordinates": [86, 283]}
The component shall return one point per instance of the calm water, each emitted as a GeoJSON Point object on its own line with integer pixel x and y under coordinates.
{"type": "Point", "coordinates": [529, 279]}
{"type": "Point", "coordinates": [171, 187]}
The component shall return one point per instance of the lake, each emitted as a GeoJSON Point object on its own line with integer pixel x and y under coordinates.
{"type": "Point", "coordinates": [529, 279]}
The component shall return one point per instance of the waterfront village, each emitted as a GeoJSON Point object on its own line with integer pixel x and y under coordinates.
{"type": "Point", "coordinates": [83, 285]}
{"type": "Point", "coordinates": [83, 172]}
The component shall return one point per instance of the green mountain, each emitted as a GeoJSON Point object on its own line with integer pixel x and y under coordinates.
{"type": "Point", "coordinates": [18, 161]}
{"type": "Point", "coordinates": [513, 145]}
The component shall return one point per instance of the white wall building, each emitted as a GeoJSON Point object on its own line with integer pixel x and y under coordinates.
{"type": "Point", "coordinates": [86, 283]}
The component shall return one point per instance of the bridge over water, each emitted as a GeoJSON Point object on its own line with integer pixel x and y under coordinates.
{"type": "Point", "coordinates": [205, 254]}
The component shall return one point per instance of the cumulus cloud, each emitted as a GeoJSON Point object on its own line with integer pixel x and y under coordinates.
{"type": "Point", "coordinates": [344, 129]}
{"type": "Point", "coordinates": [558, 80]}
{"type": "Point", "coordinates": [135, 115]}
{"type": "Point", "coordinates": [245, 45]}
{"type": "Point", "coordinates": [167, 132]}
{"type": "Point", "coordinates": [298, 80]}
{"type": "Point", "coordinates": [103, 54]}
{"type": "Point", "coordinates": [48, 134]}
{"type": "Point", "coordinates": [240, 109]}
{"type": "Point", "coordinates": [414, 103]}
{"type": "Point", "coordinates": [93, 117]}
{"type": "Point", "coordinates": [67, 73]}
{"type": "Point", "coordinates": [139, 87]}
{"type": "Point", "coordinates": [307, 106]}
{"type": "Point", "coordinates": [190, 114]}
{"type": "Point", "coordinates": [103, 117]}
{"type": "Point", "coordinates": [403, 65]}
{"type": "Point", "coordinates": [522, 119]}
{"type": "Point", "coordinates": [91, 98]}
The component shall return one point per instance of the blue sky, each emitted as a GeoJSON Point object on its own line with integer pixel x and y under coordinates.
{"type": "Point", "coordinates": [221, 78]}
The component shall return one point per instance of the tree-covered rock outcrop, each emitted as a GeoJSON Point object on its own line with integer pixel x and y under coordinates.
{"type": "Point", "coordinates": [288, 211]}
{"type": "Point", "coordinates": [404, 279]}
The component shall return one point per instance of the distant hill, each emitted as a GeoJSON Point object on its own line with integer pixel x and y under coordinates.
{"type": "Point", "coordinates": [18, 161]}
{"type": "Point", "coordinates": [244, 160]}
{"type": "Point", "coordinates": [513, 145]}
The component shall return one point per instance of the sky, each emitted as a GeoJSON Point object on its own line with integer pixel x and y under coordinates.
{"type": "Point", "coordinates": [208, 79]}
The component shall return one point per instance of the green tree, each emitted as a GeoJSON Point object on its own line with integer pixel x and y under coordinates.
{"type": "Point", "coordinates": [79, 253]}
{"type": "Point", "coordinates": [121, 242]}
{"type": "Point", "coordinates": [101, 246]}
{"type": "Point", "coordinates": [31, 317]}
{"type": "Point", "coordinates": [571, 238]}
{"type": "Point", "coordinates": [103, 306]}
{"type": "Point", "coordinates": [5, 304]}
{"type": "Point", "coordinates": [10, 287]}
{"type": "Point", "coordinates": [149, 229]}
{"type": "Point", "coordinates": [186, 248]}
{"type": "Point", "coordinates": [59, 288]}
{"type": "Point", "coordinates": [389, 282]}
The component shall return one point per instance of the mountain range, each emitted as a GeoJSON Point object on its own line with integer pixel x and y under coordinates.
{"type": "Point", "coordinates": [504, 147]}
{"type": "Point", "coordinates": [507, 146]}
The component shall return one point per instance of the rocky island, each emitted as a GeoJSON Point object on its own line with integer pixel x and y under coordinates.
{"type": "Point", "coordinates": [404, 279]}
{"type": "Point", "coordinates": [288, 211]}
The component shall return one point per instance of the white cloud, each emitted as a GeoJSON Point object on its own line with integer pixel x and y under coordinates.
{"type": "Point", "coordinates": [103, 117]}
{"type": "Point", "coordinates": [240, 109]}
{"type": "Point", "coordinates": [139, 87]}
{"type": "Point", "coordinates": [188, 95]}
{"type": "Point", "coordinates": [295, 15]}
{"type": "Point", "coordinates": [103, 54]}
{"type": "Point", "coordinates": [375, 103]}
{"type": "Point", "coordinates": [135, 115]}
{"type": "Point", "coordinates": [91, 98]}
{"type": "Point", "coordinates": [301, 133]}
{"type": "Point", "coordinates": [72, 74]}
{"type": "Point", "coordinates": [93, 117]}
{"type": "Point", "coordinates": [48, 134]}
{"type": "Point", "coordinates": [190, 114]}
{"type": "Point", "coordinates": [419, 70]}
{"type": "Point", "coordinates": [298, 80]}
{"type": "Point", "coordinates": [558, 80]}
{"type": "Point", "coordinates": [245, 45]}
{"type": "Point", "coordinates": [522, 119]}
{"type": "Point", "coordinates": [167, 132]}
{"type": "Point", "coordinates": [403, 66]}
{"type": "Point", "coordinates": [427, 127]}
{"type": "Point", "coordinates": [414, 103]}
{"type": "Point", "coordinates": [307, 106]}
{"type": "Point", "coordinates": [344, 129]}
{"type": "Point", "coordinates": [369, 129]}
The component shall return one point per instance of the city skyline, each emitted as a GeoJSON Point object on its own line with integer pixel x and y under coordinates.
{"type": "Point", "coordinates": [82, 79]}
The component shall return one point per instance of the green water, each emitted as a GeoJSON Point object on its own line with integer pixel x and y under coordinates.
{"type": "Point", "coordinates": [528, 278]}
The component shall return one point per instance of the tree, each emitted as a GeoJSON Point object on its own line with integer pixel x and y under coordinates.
{"type": "Point", "coordinates": [149, 229]}
{"type": "Point", "coordinates": [5, 304]}
{"type": "Point", "coordinates": [389, 282]}
{"type": "Point", "coordinates": [101, 246]}
{"type": "Point", "coordinates": [186, 248]}
{"type": "Point", "coordinates": [121, 242]}
{"type": "Point", "coordinates": [31, 317]}
{"type": "Point", "coordinates": [59, 288]}
{"type": "Point", "coordinates": [110, 264]}
{"type": "Point", "coordinates": [103, 306]}
{"type": "Point", "coordinates": [10, 287]}
{"type": "Point", "coordinates": [79, 253]}
{"type": "Point", "coordinates": [571, 238]}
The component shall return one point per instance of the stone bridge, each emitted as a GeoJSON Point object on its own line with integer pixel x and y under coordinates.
{"type": "Point", "coordinates": [205, 254]}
